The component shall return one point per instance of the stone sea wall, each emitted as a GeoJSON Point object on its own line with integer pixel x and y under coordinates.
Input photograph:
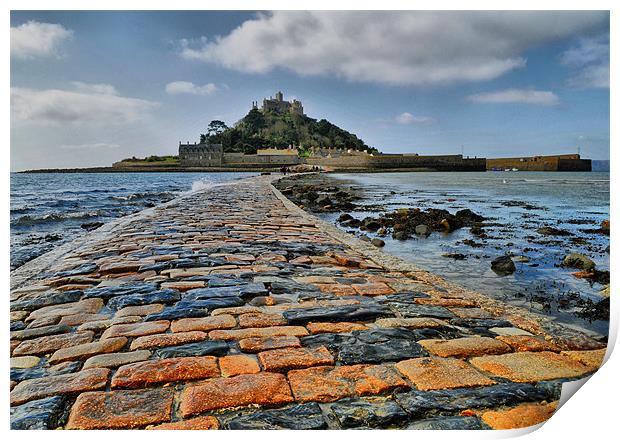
{"type": "Point", "coordinates": [232, 308]}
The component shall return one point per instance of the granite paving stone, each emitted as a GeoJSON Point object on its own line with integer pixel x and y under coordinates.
{"type": "Point", "coordinates": [531, 366]}
{"type": "Point", "coordinates": [228, 307]}
{"type": "Point", "coordinates": [147, 373]}
{"type": "Point", "coordinates": [121, 409]}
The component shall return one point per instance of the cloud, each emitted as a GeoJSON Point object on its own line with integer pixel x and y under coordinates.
{"type": "Point", "coordinates": [34, 39]}
{"type": "Point", "coordinates": [189, 88]}
{"type": "Point", "coordinates": [105, 89]}
{"type": "Point", "coordinates": [389, 47]}
{"type": "Point", "coordinates": [97, 146]}
{"type": "Point", "coordinates": [407, 118]}
{"type": "Point", "coordinates": [591, 59]}
{"type": "Point", "coordinates": [61, 107]}
{"type": "Point", "coordinates": [517, 96]}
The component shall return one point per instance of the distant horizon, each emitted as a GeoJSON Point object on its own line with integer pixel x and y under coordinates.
{"type": "Point", "coordinates": [89, 88]}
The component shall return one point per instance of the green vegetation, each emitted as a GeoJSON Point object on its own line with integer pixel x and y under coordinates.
{"type": "Point", "coordinates": [279, 130]}
{"type": "Point", "coordinates": [152, 160]}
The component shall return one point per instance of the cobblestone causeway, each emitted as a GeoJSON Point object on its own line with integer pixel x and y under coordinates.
{"type": "Point", "coordinates": [230, 308]}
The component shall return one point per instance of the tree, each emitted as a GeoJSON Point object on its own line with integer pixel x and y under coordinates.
{"type": "Point", "coordinates": [216, 127]}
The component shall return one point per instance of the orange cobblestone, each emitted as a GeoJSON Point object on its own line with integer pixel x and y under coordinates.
{"type": "Point", "coordinates": [441, 373]}
{"type": "Point", "coordinates": [522, 416]}
{"type": "Point", "coordinates": [121, 409]}
{"type": "Point", "coordinates": [290, 358]}
{"type": "Point", "coordinates": [528, 343]}
{"type": "Point", "coordinates": [327, 384]}
{"type": "Point", "coordinates": [530, 366]}
{"type": "Point", "coordinates": [203, 324]}
{"type": "Point", "coordinates": [263, 332]}
{"type": "Point", "coordinates": [167, 339]}
{"type": "Point", "coordinates": [246, 389]}
{"type": "Point", "coordinates": [235, 365]}
{"type": "Point", "coordinates": [464, 347]}
{"type": "Point", "coordinates": [166, 370]}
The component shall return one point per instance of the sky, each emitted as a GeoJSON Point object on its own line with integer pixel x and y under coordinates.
{"type": "Point", "coordinates": [91, 88]}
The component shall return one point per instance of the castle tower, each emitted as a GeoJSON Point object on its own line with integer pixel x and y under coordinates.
{"type": "Point", "coordinates": [279, 96]}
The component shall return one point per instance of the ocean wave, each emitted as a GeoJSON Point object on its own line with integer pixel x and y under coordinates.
{"type": "Point", "coordinates": [29, 220]}
{"type": "Point", "coordinates": [138, 196]}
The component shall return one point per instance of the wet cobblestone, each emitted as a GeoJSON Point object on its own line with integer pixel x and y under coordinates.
{"type": "Point", "coordinates": [231, 308]}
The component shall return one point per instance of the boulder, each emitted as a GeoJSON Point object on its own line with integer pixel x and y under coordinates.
{"type": "Point", "coordinates": [503, 266]}
{"type": "Point", "coordinates": [344, 217]}
{"type": "Point", "coordinates": [422, 230]}
{"type": "Point", "coordinates": [377, 242]}
{"type": "Point", "coordinates": [578, 261]}
{"type": "Point", "coordinates": [400, 235]}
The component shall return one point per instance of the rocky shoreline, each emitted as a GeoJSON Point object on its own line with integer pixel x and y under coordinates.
{"type": "Point", "coordinates": [321, 194]}
{"type": "Point", "coordinates": [232, 308]}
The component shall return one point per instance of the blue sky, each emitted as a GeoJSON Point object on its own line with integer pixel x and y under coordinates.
{"type": "Point", "coordinates": [91, 88]}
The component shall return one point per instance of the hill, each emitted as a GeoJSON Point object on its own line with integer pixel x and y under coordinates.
{"type": "Point", "coordinates": [272, 129]}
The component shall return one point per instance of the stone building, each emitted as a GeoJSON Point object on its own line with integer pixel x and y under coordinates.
{"type": "Point", "coordinates": [279, 105]}
{"type": "Point", "coordinates": [207, 155]}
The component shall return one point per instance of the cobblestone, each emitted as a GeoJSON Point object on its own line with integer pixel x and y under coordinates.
{"type": "Point", "coordinates": [229, 307]}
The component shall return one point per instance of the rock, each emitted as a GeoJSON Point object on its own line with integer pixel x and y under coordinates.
{"type": "Point", "coordinates": [327, 384]}
{"type": "Point", "coordinates": [419, 403]}
{"type": "Point", "coordinates": [382, 232]}
{"type": "Point", "coordinates": [91, 226]}
{"type": "Point", "coordinates": [445, 225]}
{"type": "Point", "coordinates": [165, 296]}
{"type": "Point", "coordinates": [125, 289]}
{"type": "Point", "coordinates": [121, 409]}
{"type": "Point", "coordinates": [377, 242]}
{"type": "Point", "coordinates": [363, 414]}
{"type": "Point", "coordinates": [215, 348]}
{"type": "Point", "coordinates": [455, 256]}
{"type": "Point", "coordinates": [246, 389]}
{"type": "Point", "coordinates": [468, 216]}
{"type": "Point", "coordinates": [423, 311]}
{"type": "Point", "coordinates": [422, 230]}
{"type": "Point", "coordinates": [370, 224]}
{"type": "Point", "coordinates": [362, 312]}
{"type": "Point", "coordinates": [548, 230]}
{"type": "Point", "coordinates": [294, 358]}
{"type": "Point", "coordinates": [401, 235]}
{"type": "Point", "coordinates": [50, 299]}
{"type": "Point", "coordinates": [441, 373]}
{"type": "Point", "coordinates": [113, 360]}
{"type": "Point", "coordinates": [344, 217]}
{"type": "Point", "coordinates": [503, 265]}
{"type": "Point", "coordinates": [365, 238]}
{"type": "Point", "coordinates": [30, 333]}
{"type": "Point", "coordinates": [34, 389]}
{"type": "Point", "coordinates": [578, 261]}
{"type": "Point", "coordinates": [148, 373]}
{"type": "Point", "coordinates": [195, 309]}
{"type": "Point", "coordinates": [38, 414]}
{"type": "Point", "coordinates": [448, 423]}
{"type": "Point", "coordinates": [304, 416]}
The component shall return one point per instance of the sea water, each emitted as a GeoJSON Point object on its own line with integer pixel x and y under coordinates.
{"type": "Point", "coordinates": [517, 203]}
{"type": "Point", "coordinates": [49, 209]}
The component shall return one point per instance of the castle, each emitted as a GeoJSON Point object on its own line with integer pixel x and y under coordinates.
{"type": "Point", "coordinates": [279, 105]}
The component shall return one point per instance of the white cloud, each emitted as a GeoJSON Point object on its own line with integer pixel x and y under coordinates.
{"type": "Point", "coordinates": [517, 96]}
{"type": "Point", "coordinates": [96, 146]}
{"type": "Point", "coordinates": [591, 58]}
{"type": "Point", "coordinates": [407, 118]}
{"type": "Point", "coordinates": [105, 89]}
{"type": "Point", "coordinates": [415, 47]}
{"type": "Point", "coordinates": [34, 39]}
{"type": "Point", "coordinates": [186, 87]}
{"type": "Point", "coordinates": [61, 107]}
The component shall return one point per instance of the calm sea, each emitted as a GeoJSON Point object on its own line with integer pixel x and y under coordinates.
{"type": "Point", "coordinates": [48, 210]}
{"type": "Point", "coordinates": [518, 203]}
